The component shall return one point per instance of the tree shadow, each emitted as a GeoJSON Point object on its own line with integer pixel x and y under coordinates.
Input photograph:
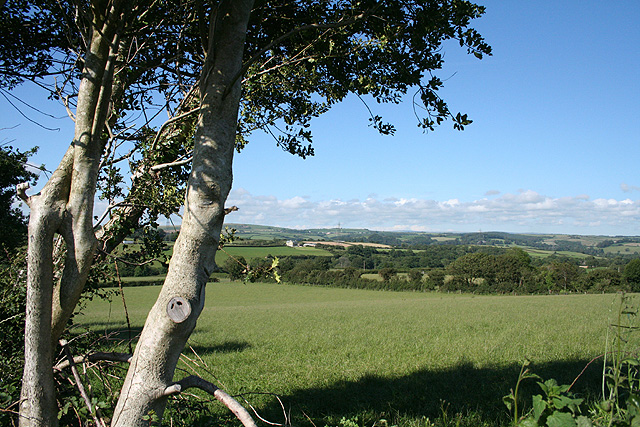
{"type": "Point", "coordinates": [462, 389]}
{"type": "Point", "coordinates": [225, 347]}
{"type": "Point", "coordinates": [109, 333]}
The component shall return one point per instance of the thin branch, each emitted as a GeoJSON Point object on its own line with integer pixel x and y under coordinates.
{"type": "Point", "coordinates": [94, 413]}
{"type": "Point", "coordinates": [278, 66]}
{"type": "Point", "coordinates": [124, 304]}
{"type": "Point", "coordinates": [123, 157]}
{"type": "Point", "coordinates": [168, 122]}
{"type": "Point", "coordinates": [30, 106]}
{"type": "Point", "coordinates": [287, 420]}
{"type": "Point", "coordinates": [65, 100]}
{"type": "Point", "coordinates": [12, 317]}
{"type": "Point", "coordinates": [136, 264]}
{"type": "Point", "coordinates": [194, 381]}
{"type": "Point", "coordinates": [172, 164]}
{"type": "Point", "coordinates": [114, 206]}
{"type": "Point", "coordinates": [111, 146]}
{"type": "Point", "coordinates": [24, 115]}
{"type": "Point", "coordinates": [94, 357]}
{"type": "Point", "coordinates": [257, 55]}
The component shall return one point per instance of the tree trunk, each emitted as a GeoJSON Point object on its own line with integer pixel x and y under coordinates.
{"type": "Point", "coordinates": [37, 397]}
{"type": "Point", "coordinates": [174, 315]}
{"type": "Point", "coordinates": [65, 206]}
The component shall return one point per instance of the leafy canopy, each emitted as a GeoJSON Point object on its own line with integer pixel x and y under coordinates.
{"type": "Point", "coordinates": [300, 58]}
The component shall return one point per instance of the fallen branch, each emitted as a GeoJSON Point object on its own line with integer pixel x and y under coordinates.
{"type": "Point", "coordinates": [194, 381]}
{"type": "Point", "coordinates": [189, 382]}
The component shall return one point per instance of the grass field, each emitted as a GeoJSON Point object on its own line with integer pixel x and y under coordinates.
{"type": "Point", "coordinates": [623, 249]}
{"type": "Point", "coordinates": [250, 252]}
{"type": "Point", "coordinates": [333, 353]}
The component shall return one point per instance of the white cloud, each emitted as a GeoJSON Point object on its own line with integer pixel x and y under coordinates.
{"type": "Point", "coordinates": [526, 211]}
{"type": "Point", "coordinates": [295, 203]}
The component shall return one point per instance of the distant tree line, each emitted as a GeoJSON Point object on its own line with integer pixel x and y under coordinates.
{"type": "Point", "coordinates": [456, 268]}
{"type": "Point", "coordinates": [474, 262]}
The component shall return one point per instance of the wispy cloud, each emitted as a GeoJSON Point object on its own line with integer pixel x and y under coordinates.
{"type": "Point", "coordinates": [526, 211]}
{"type": "Point", "coordinates": [628, 188]}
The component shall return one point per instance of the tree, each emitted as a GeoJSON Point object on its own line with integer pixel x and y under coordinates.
{"type": "Point", "coordinates": [602, 280]}
{"type": "Point", "coordinates": [561, 276]}
{"type": "Point", "coordinates": [512, 269]}
{"type": "Point", "coordinates": [632, 274]}
{"type": "Point", "coordinates": [387, 273]}
{"type": "Point", "coordinates": [415, 276]}
{"type": "Point", "coordinates": [237, 67]}
{"type": "Point", "coordinates": [12, 172]}
{"type": "Point", "coordinates": [470, 267]}
{"type": "Point", "coordinates": [235, 267]}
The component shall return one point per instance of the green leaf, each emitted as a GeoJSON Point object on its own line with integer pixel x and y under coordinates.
{"type": "Point", "coordinates": [561, 419]}
{"type": "Point", "coordinates": [631, 361]}
{"type": "Point", "coordinates": [539, 405]}
{"type": "Point", "coordinates": [562, 402]}
{"type": "Point", "coordinates": [633, 400]}
{"type": "Point", "coordinates": [508, 401]}
{"type": "Point", "coordinates": [583, 421]}
{"type": "Point", "coordinates": [528, 422]}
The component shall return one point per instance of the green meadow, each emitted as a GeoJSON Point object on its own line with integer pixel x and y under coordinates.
{"type": "Point", "coordinates": [249, 252]}
{"type": "Point", "coordinates": [409, 358]}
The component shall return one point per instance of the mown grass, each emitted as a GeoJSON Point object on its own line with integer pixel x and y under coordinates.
{"type": "Point", "coordinates": [331, 353]}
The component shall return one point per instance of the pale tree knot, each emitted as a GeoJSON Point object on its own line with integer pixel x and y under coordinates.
{"type": "Point", "coordinates": [21, 191]}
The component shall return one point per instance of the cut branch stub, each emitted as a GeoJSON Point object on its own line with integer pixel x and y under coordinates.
{"type": "Point", "coordinates": [178, 309]}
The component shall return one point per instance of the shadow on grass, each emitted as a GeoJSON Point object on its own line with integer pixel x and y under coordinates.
{"type": "Point", "coordinates": [462, 389]}
{"type": "Point", "coordinates": [110, 332]}
{"type": "Point", "coordinates": [225, 347]}
{"type": "Point", "coordinates": [124, 334]}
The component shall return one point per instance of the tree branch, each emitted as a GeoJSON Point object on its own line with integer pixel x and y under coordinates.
{"type": "Point", "coordinates": [171, 164]}
{"type": "Point", "coordinates": [197, 382]}
{"type": "Point", "coordinates": [95, 414]}
{"type": "Point", "coordinates": [21, 191]}
{"type": "Point", "coordinates": [94, 357]}
{"type": "Point", "coordinates": [178, 387]}
{"type": "Point", "coordinates": [257, 55]}
{"type": "Point", "coordinates": [168, 122]}
{"type": "Point", "coordinates": [122, 204]}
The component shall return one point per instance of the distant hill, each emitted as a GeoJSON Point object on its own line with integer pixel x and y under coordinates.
{"type": "Point", "coordinates": [589, 245]}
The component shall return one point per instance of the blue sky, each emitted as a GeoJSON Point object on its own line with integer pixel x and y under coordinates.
{"type": "Point", "coordinates": [554, 146]}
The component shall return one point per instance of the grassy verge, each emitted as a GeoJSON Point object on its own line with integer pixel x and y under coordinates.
{"type": "Point", "coordinates": [410, 358]}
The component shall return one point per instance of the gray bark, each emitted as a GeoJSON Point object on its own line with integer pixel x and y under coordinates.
{"type": "Point", "coordinates": [166, 332]}
{"type": "Point", "coordinates": [65, 206]}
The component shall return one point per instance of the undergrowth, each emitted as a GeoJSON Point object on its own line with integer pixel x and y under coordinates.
{"type": "Point", "coordinates": [619, 403]}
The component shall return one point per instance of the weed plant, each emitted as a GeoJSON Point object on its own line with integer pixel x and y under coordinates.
{"type": "Point", "coordinates": [619, 404]}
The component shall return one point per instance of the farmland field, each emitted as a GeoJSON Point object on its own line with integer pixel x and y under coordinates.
{"type": "Point", "coordinates": [333, 353]}
{"type": "Point", "coordinates": [262, 251]}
